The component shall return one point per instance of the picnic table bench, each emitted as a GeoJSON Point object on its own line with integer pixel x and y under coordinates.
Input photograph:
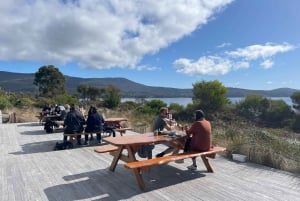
{"type": "Point", "coordinates": [170, 158]}
{"type": "Point", "coordinates": [138, 166]}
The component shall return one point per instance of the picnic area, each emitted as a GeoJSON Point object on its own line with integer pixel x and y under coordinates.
{"type": "Point", "coordinates": [31, 170]}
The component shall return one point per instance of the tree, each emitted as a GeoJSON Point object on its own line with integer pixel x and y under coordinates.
{"type": "Point", "coordinates": [82, 89]}
{"type": "Point", "coordinates": [112, 97]}
{"type": "Point", "coordinates": [209, 96]}
{"type": "Point", "coordinates": [50, 81]}
{"type": "Point", "coordinates": [296, 100]}
{"type": "Point", "coordinates": [253, 106]}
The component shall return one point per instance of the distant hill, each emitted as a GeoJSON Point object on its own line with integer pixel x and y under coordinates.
{"type": "Point", "coordinates": [23, 82]}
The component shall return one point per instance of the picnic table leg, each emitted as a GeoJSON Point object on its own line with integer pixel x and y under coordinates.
{"type": "Point", "coordinates": [137, 172]}
{"type": "Point", "coordinates": [117, 156]}
{"type": "Point", "coordinates": [206, 163]}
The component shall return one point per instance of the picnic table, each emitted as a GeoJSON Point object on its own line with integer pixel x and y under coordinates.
{"type": "Point", "coordinates": [116, 124]}
{"type": "Point", "coordinates": [132, 143]}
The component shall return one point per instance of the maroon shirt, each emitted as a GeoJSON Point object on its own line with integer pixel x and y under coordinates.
{"type": "Point", "coordinates": [201, 136]}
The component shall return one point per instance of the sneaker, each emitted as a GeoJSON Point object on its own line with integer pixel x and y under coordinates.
{"type": "Point", "coordinates": [192, 167]}
{"type": "Point", "coordinates": [179, 161]}
{"type": "Point", "coordinates": [99, 141]}
{"type": "Point", "coordinates": [160, 155]}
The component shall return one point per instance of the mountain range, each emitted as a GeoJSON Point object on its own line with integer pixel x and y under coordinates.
{"type": "Point", "coordinates": [23, 82]}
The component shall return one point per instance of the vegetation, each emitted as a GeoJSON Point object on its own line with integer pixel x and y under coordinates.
{"type": "Point", "coordinates": [50, 81]}
{"type": "Point", "coordinates": [261, 128]}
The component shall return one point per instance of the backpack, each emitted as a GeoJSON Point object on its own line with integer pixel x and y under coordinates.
{"type": "Point", "coordinates": [63, 145]}
{"type": "Point", "coordinates": [145, 151]}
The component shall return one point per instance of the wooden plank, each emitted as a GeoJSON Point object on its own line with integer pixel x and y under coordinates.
{"type": "Point", "coordinates": [30, 170]}
{"type": "Point", "coordinates": [106, 148]}
{"type": "Point", "coordinates": [170, 158]}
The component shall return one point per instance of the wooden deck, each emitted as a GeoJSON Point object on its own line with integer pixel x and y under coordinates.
{"type": "Point", "coordinates": [30, 170]}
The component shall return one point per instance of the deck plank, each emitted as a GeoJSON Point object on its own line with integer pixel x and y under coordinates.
{"type": "Point", "coordinates": [30, 170]}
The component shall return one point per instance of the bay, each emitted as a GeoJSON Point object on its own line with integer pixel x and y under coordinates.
{"type": "Point", "coordinates": [186, 101]}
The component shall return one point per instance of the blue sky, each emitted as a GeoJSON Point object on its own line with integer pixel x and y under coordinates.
{"type": "Point", "coordinates": [250, 44]}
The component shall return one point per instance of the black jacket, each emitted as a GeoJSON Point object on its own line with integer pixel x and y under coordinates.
{"type": "Point", "coordinates": [74, 122]}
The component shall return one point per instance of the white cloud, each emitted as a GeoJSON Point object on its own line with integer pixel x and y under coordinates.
{"type": "Point", "coordinates": [267, 63]}
{"type": "Point", "coordinates": [211, 65]}
{"type": "Point", "coordinates": [254, 52]}
{"type": "Point", "coordinates": [232, 60]}
{"type": "Point", "coordinates": [97, 33]}
{"type": "Point", "coordinates": [269, 82]}
{"type": "Point", "coordinates": [223, 45]}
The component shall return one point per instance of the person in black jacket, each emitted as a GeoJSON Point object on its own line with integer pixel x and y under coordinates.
{"type": "Point", "coordinates": [94, 124]}
{"type": "Point", "coordinates": [73, 123]}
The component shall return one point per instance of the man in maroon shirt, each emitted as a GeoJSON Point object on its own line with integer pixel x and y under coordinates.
{"type": "Point", "coordinates": [199, 136]}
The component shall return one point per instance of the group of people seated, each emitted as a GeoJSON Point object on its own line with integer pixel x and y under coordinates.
{"type": "Point", "coordinates": [74, 123]}
{"type": "Point", "coordinates": [199, 135]}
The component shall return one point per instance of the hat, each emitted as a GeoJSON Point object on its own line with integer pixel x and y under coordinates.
{"type": "Point", "coordinates": [199, 114]}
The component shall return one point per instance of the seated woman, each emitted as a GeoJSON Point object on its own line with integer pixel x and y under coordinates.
{"type": "Point", "coordinates": [94, 124]}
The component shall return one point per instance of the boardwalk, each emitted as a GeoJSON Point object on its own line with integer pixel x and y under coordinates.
{"type": "Point", "coordinates": [30, 170]}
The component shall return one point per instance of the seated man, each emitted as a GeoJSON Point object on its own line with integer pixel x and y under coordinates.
{"type": "Point", "coordinates": [73, 123]}
{"type": "Point", "coordinates": [160, 123]}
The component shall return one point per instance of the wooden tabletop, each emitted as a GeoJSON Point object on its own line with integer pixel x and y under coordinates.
{"type": "Point", "coordinates": [146, 138]}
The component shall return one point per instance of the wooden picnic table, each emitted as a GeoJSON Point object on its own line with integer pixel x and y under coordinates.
{"type": "Point", "coordinates": [132, 143]}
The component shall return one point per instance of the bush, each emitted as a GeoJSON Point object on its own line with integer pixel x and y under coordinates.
{"type": "Point", "coordinates": [4, 103]}
{"type": "Point", "coordinates": [24, 103]}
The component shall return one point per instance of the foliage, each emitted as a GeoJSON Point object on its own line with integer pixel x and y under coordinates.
{"type": "Point", "coordinates": [151, 107]}
{"type": "Point", "coordinates": [277, 114]}
{"type": "Point", "coordinates": [209, 96]}
{"type": "Point", "coordinates": [252, 106]}
{"type": "Point", "coordinates": [24, 103]}
{"type": "Point", "coordinates": [4, 103]}
{"type": "Point", "coordinates": [296, 100]}
{"type": "Point", "coordinates": [89, 92]}
{"type": "Point", "coordinates": [50, 81]}
{"type": "Point", "coordinates": [272, 113]}
{"type": "Point", "coordinates": [65, 99]}
{"type": "Point", "coordinates": [112, 97]}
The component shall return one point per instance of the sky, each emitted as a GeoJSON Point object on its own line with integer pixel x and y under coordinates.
{"type": "Point", "coordinates": [249, 44]}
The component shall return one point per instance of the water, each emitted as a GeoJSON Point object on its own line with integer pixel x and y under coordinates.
{"type": "Point", "coordinates": [186, 101]}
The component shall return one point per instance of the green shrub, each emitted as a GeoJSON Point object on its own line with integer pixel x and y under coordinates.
{"type": "Point", "coordinates": [4, 103]}
{"type": "Point", "coordinates": [24, 103]}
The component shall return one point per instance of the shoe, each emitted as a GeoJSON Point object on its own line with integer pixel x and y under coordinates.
{"type": "Point", "coordinates": [192, 167]}
{"type": "Point", "coordinates": [160, 155]}
{"type": "Point", "coordinates": [99, 142]}
{"type": "Point", "coordinates": [179, 161]}
{"type": "Point", "coordinates": [86, 143]}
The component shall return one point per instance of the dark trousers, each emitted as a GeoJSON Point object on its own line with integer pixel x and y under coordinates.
{"type": "Point", "coordinates": [86, 137]}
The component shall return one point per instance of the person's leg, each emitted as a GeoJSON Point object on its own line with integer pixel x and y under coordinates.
{"type": "Point", "coordinates": [99, 137]}
{"type": "Point", "coordinates": [194, 165]}
{"type": "Point", "coordinates": [92, 137]}
{"type": "Point", "coordinates": [86, 139]}
{"type": "Point", "coordinates": [168, 150]}
{"type": "Point", "coordinates": [65, 138]}
{"type": "Point", "coordinates": [79, 140]}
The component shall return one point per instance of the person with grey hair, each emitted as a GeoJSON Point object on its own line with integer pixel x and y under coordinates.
{"type": "Point", "coordinates": [199, 136]}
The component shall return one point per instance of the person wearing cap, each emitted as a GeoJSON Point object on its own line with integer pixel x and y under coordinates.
{"type": "Point", "coordinates": [199, 136]}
